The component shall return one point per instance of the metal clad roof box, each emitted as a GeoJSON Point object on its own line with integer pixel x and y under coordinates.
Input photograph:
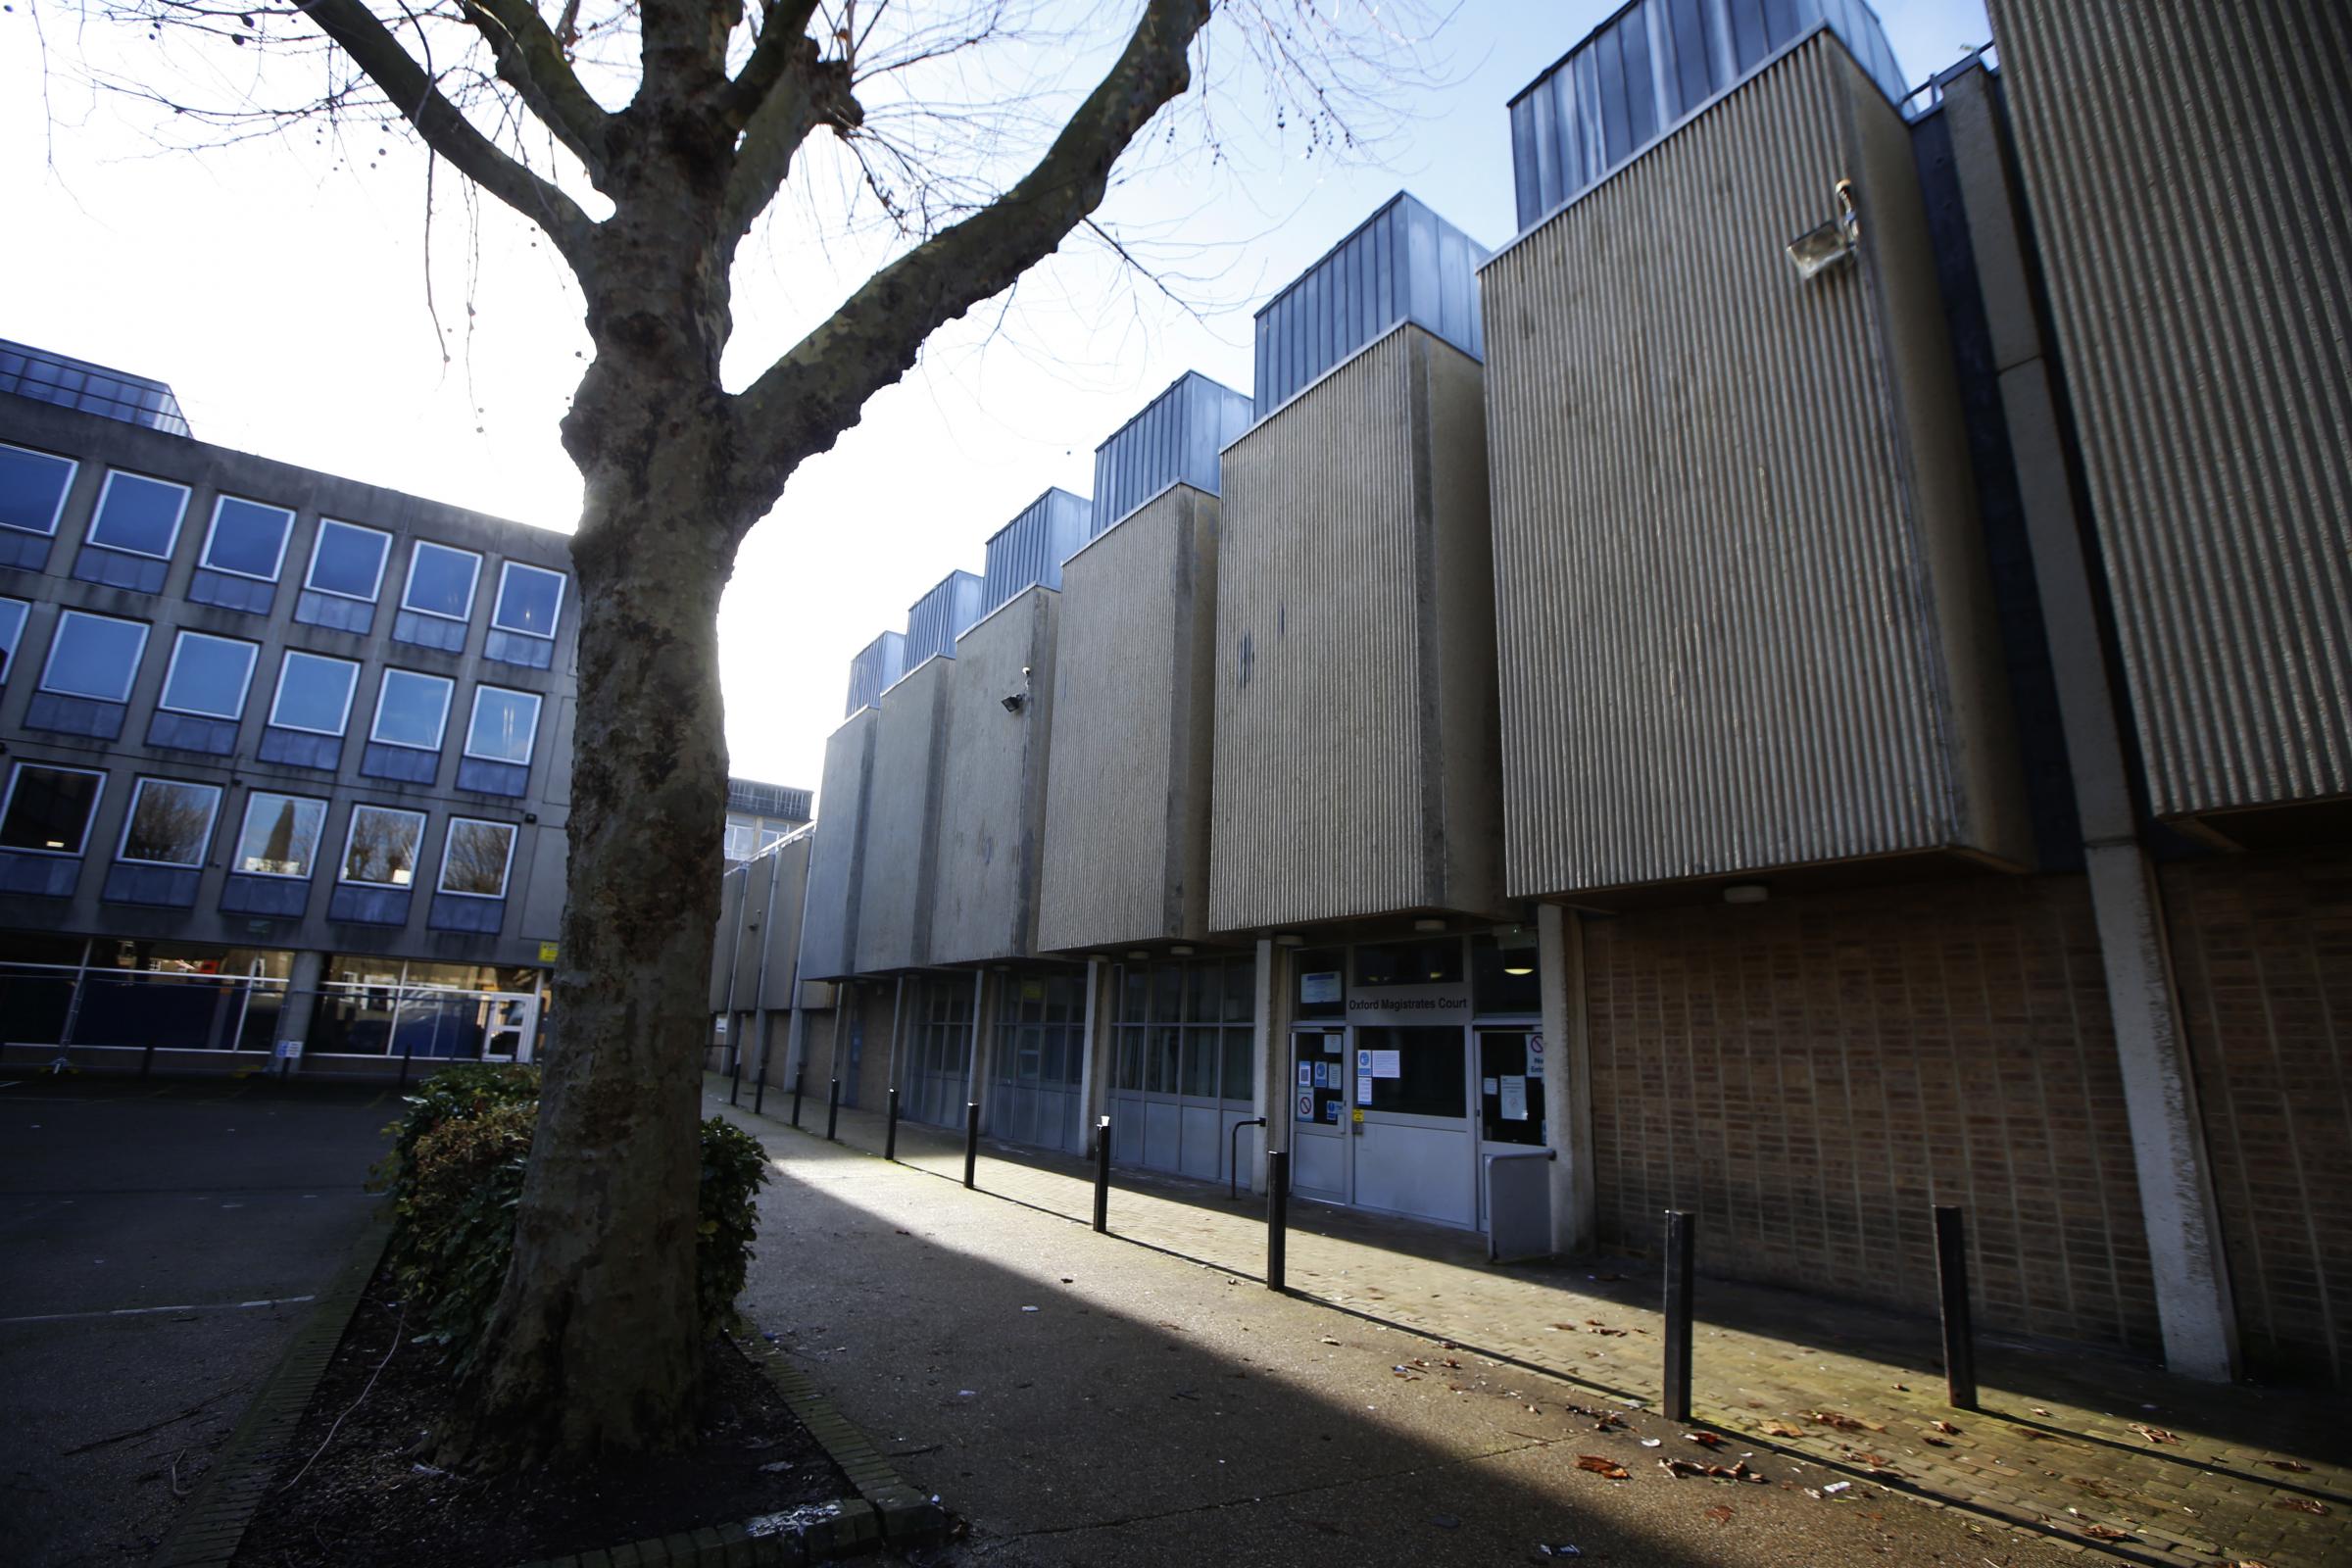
{"type": "Point", "coordinates": [72, 383]}
{"type": "Point", "coordinates": [1402, 264]}
{"type": "Point", "coordinates": [945, 613]}
{"type": "Point", "coordinates": [876, 669]}
{"type": "Point", "coordinates": [2196, 243]}
{"type": "Point", "coordinates": [1175, 438]}
{"type": "Point", "coordinates": [1029, 551]}
{"type": "Point", "coordinates": [1652, 67]}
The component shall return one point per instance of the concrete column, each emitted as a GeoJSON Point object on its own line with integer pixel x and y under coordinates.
{"type": "Point", "coordinates": [1567, 1079]}
{"type": "Point", "coordinates": [986, 984]}
{"type": "Point", "coordinates": [302, 995]}
{"type": "Point", "coordinates": [2177, 1210]}
{"type": "Point", "coordinates": [1095, 1071]}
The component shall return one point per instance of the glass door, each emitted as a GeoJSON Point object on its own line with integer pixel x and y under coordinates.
{"type": "Point", "coordinates": [1510, 1098]}
{"type": "Point", "coordinates": [1321, 1133]}
{"type": "Point", "coordinates": [1416, 1156]}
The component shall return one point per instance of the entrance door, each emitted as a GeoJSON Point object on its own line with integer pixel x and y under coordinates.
{"type": "Point", "coordinates": [1416, 1156]}
{"type": "Point", "coordinates": [1320, 1129]}
{"type": "Point", "coordinates": [1510, 1095]}
{"type": "Point", "coordinates": [510, 1027]}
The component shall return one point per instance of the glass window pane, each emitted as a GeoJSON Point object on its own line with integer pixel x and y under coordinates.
{"type": "Point", "coordinates": [1503, 973]}
{"type": "Point", "coordinates": [170, 821]}
{"type": "Point", "coordinates": [248, 538]}
{"type": "Point", "coordinates": [412, 710]}
{"type": "Point", "coordinates": [475, 861]}
{"type": "Point", "coordinates": [1200, 1063]}
{"type": "Point", "coordinates": [94, 655]}
{"type": "Point", "coordinates": [209, 675]}
{"type": "Point", "coordinates": [138, 514]}
{"type": "Point", "coordinates": [1131, 992]}
{"type": "Point", "coordinates": [12, 632]}
{"type": "Point", "coordinates": [1239, 1052]}
{"type": "Point", "coordinates": [441, 581]}
{"type": "Point", "coordinates": [48, 808]}
{"type": "Point", "coordinates": [1316, 991]}
{"type": "Point", "coordinates": [1431, 1064]}
{"type": "Point", "coordinates": [1205, 1002]}
{"type": "Point", "coordinates": [1436, 961]}
{"type": "Point", "coordinates": [348, 561]}
{"type": "Point", "coordinates": [1164, 1060]}
{"type": "Point", "coordinates": [1131, 1060]}
{"type": "Point", "coordinates": [530, 599]}
{"type": "Point", "coordinates": [382, 848]}
{"type": "Point", "coordinates": [314, 694]}
{"type": "Point", "coordinates": [1168, 993]}
{"type": "Point", "coordinates": [504, 725]}
{"type": "Point", "coordinates": [32, 489]}
{"type": "Point", "coordinates": [280, 836]}
{"type": "Point", "coordinates": [1241, 982]}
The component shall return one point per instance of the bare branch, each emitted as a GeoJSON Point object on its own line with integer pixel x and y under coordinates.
{"type": "Point", "coordinates": [530, 59]}
{"type": "Point", "coordinates": [802, 402]}
{"type": "Point", "coordinates": [810, 92]}
{"type": "Point", "coordinates": [783, 30]}
{"type": "Point", "coordinates": [446, 131]}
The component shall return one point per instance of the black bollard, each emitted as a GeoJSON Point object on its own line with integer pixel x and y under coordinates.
{"type": "Point", "coordinates": [890, 1134]}
{"type": "Point", "coordinates": [833, 1112]}
{"type": "Point", "coordinates": [798, 1074]}
{"type": "Point", "coordinates": [1682, 1229]}
{"type": "Point", "coordinates": [1959, 1331]}
{"type": "Point", "coordinates": [1278, 1216]}
{"type": "Point", "coordinates": [1103, 1176]}
{"type": "Point", "coordinates": [971, 1138]}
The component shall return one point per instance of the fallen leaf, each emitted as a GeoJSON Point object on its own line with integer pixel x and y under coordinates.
{"type": "Point", "coordinates": [1782, 1429]}
{"type": "Point", "coordinates": [2296, 1465]}
{"type": "Point", "coordinates": [2106, 1533]}
{"type": "Point", "coordinates": [1944, 1425]}
{"type": "Point", "coordinates": [1600, 1466]}
{"type": "Point", "coordinates": [2153, 1434]}
{"type": "Point", "coordinates": [1721, 1513]}
{"type": "Point", "coordinates": [1936, 1442]}
{"type": "Point", "coordinates": [1705, 1440]}
{"type": "Point", "coordinates": [2038, 1410]}
{"type": "Point", "coordinates": [1843, 1423]}
{"type": "Point", "coordinates": [2302, 1504]}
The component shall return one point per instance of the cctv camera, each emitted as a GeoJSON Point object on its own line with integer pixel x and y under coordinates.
{"type": "Point", "coordinates": [1014, 703]}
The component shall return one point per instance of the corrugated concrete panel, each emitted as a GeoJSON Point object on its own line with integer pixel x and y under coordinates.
{"type": "Point", "coordinates": [1745, 617]}
{"type": "Point", "coordinates": [722, 940]}
{"type": "Point", "coordinates": [1402, 264]}
{"type": "Point", "coordinates": [1127, 800]}
{"type": "Point", "coordinates": [1028, 552]}
{"type": "Point", "coordinates": [1175, 438]}
{"type": "Point", "coordinates": [751, 930]}
{"type": "Point", "coordinates": [1356, 750]}
{"type": "Point", "coordinates": [943, 614]}
{"type": "Point", "coordinates": [2187, 166]}
{"type": "Point", "coordinates": [837, 858]}
{"type": "Point", "coordinates": [875, 668]}
{"type": "Point", "coordinates": [902, 832]}
{"type": "Point", "coordinates": [780, 922]}
{"type": "Point", "coordinates": [992, 803]}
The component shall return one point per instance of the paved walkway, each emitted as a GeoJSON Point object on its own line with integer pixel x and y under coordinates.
{"type": "Point", "coordinates": [2068, 1446]}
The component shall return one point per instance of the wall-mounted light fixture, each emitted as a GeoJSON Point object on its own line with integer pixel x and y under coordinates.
{"type": "Point", "coordinates": [1429, 922]}
{"type": "Point", "coordinates": [1180, 950]}
{"type": "Point", "coordinates": [1287, 939]}
{"type": "Point", "coordinates": [1818, 250]}
{"type": "Point", "coordinates": [1518, 944]}
{"type": "Point", "coordinates": [1746, 893]}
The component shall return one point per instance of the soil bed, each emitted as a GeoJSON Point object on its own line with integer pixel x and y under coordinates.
{"type": "Point", "coordinates": [369, 1498]}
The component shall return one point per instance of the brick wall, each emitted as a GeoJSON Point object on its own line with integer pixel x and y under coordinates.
{"type": "Point", "coordinates": [1812, 1074]}
{"type": "Point", "coordinates": [2262, 949]}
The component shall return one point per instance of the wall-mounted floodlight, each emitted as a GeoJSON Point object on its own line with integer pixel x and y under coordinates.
{"type": "Point", "coordinates": [1518, 946]}
{"type": "Point", "coordinates": [1819, 250]}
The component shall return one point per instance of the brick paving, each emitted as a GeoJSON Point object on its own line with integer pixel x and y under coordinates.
{"type": "Point", "coordinates": [2218, 1475]}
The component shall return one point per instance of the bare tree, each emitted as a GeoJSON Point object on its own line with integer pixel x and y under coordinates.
{"type": "Point", "coordinates": [680, 121]}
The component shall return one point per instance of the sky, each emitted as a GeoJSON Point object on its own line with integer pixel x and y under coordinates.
{"type": "Point", "coordinates": [281, 286]}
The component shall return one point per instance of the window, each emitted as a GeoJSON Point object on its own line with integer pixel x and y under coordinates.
{"type": "Point", "coordinates": [441, 581]}
{"type": "Point", "coordinates": [475, 859]}
{"type": "Point", "coordinates": [740, 840]}
{"type": "Point", "coordinates": [170, 822]}
{"type": "Point", "coordinates": [504, 724]}
{"type": "Point", "coordinates": [12, 632]}
{"type": "Point", "coordinates": [412, 710]}
{"type": "Point", "coordinates": [314, 693]}
{"type": "Point", "coordinates": [248, 538]}
{"type": "Point", "coordinates": [94, 655]}
{"type": "Point", "coordinates": [1436, 961]}
{"type": "Point", "coordinates": [209, 675]}
{"type": "Point", "coordinates": [32, 489]}
{"type": "Point", "coordinates": [1430, 1071]}
{"type": "Point", "coordinates": [1183, 1028]}
{"type": "Point", "coordinates": [348, 561]}
{"type": "Point", "coordinates": [530, 599]}
{"type": "Point", "coordinates": [49, 809]}
{"type": "Point", "coordinates": [380, 850]}
{"type": "Point", "coordinates": [280, 837]}
{"type": "Point", "coordinates": [139, 514]}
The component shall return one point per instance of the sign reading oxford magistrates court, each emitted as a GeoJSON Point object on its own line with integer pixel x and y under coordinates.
{"type": "Point", "coordinates": [1394, 1005]}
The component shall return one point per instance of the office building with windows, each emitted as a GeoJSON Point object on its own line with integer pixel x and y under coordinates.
{"type": "Point", "coordinates": [760, 816]}
{"type": "Point", "coordinates": [1808, 684]}
{"type": "Point", "coordinates": [286, 757]}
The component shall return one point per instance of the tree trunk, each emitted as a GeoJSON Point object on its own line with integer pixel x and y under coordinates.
{"type": "Point", "coordinates": [594, 1347]}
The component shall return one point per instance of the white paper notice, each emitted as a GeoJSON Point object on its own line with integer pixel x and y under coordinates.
{"type": "Point", "coordinates": [1388, 1064]}
{"type": "Point", "coordinates": [1515, 1097]}
{"type": "Point", "coordinates": [1486, 1086]}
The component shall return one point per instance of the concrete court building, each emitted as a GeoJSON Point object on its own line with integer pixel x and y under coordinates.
{"type": "Point", "coordinates": [286, 757]}
{"type": "Point", "coordinates": [1810, 684]}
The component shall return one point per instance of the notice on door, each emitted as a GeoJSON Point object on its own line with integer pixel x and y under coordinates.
{"type": "Point", "coordinates": [1535, 1056]}
{"type": "Point", "coordinates": [1515, 1097]}
{"type": "Point", "coordinates": [1387, 1063]}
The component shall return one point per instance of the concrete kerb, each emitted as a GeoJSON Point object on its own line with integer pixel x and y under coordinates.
{"type": "Point", "coordinates": [209, 1529]}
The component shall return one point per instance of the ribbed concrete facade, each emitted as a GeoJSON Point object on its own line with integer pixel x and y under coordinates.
{"type": "Point", "coordinates": [1354, 741]}
{"type": "Point", "coordinates": [902, 822]}
{"type": "Point", "coordinates": [1744, 615]}
{"type": "Point", "coordinates": [837, 857]}
{"type": "Point", "coordinates": [992, 803]}
{"type": "Point", "coordinates": [1126, 848]}
{"type": "Point", "coordinates": [2186, 166]}
{"type": "Point", "coordinates": [758, 948]}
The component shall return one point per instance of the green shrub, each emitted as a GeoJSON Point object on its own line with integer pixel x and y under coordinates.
{"type": "Point", "coordinates": [455, 1175]}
